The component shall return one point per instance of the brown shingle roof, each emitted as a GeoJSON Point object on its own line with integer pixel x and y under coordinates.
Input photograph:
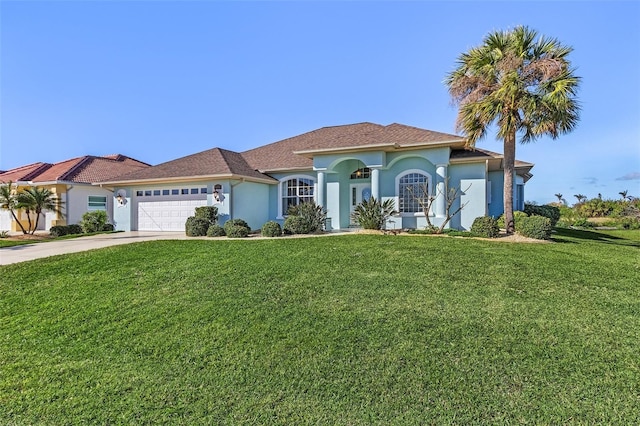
{"type": "Point", "coordinates": [281, 155]}
{"type": "Point", "coordinates": [87, 169]}
{"type": "Point", "coordinates": [213, 162]}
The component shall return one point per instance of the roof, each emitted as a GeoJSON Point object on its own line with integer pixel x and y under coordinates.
{"type": "Point", "coordinates": [214, 162]}
{"type": "Point", "coordinates": [495, 160]}
{"type": "Point", "coordinates": [86, 169]}
{"type": "Point", "coordinates": [296, 152]}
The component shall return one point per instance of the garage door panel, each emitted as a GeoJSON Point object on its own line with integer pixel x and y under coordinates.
{"type": "Point", "coordinates": [167, 215]}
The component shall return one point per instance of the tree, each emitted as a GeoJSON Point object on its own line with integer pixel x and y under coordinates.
{"type": "Point", "coordinates": [623, 194]}
{"type": "Point", "coordinates": [9, 201]}
{"type": "Point", "coordinates": [559, 197]}
{"type": "Point", "coordinates": [580, 197]}
{"type": "Point", "coordinates": [36, 199]}
{"type": "Point", "coordinates": [425, 200]}
{"type": "Point", "coordinates": [523, 85]}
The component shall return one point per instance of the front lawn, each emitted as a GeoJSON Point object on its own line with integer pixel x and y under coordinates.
{"type": "Point", "coordinates": [354, 329]}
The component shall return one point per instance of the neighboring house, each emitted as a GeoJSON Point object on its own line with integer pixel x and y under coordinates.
{"type": "Point", "coordinates": [72, 182]}
{"type": "Point", "coordinates": [336, 166]}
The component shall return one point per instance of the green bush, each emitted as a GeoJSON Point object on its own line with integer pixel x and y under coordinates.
{"type": "Point", "coordinates": [216, 231]}
{"type": "Point", "coordinates": [538, 227]}
{"type": "Point", "coordinates": [312, 217]}
{"type": "Point", "coordinates": [630, 223]}
{"type": "Point", "coordinates": [271, 229]}
{"type": "Point", "coordinates": [94, 221]}
{"type": "Point", "coordinates": [295, 225]}
{"type": "Point", "coordinates": [196, 226]}
{"type": "Point", "coordinates": [235, 222]}
{"type": "Point", "coordinates": [74, 229]}
{"type": "Point", "coordinates": [583, 223]}
{"type": "Point", "coordinates": [108, 227]}
{"type": "Point", "coordinates": [58, 230]}
{"type": "Point", "coordinates": [485, 226]}
{"type": "Point", "coordinates": [516, 216]}
{"type": "Point", "coordinates": [210, 213]}
{"type": "Point", "coordinates": [551, 212]}
{"type": "Point", "coordinates": [237, 231]}
{"type": "Point", "coordinates": [372, 213]}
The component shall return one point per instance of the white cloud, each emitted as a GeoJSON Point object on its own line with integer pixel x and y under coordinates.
{"type": "Point", "coordinates": [630, 176]}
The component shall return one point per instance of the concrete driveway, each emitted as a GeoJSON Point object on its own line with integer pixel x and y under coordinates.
{"type": "Point", "coordinates": [22, 253]}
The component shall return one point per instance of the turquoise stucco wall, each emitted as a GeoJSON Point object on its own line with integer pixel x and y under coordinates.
{"type": "Point", "coordinates": [470, 179]}
{"type": "Point", "coordinates": [250, 202]}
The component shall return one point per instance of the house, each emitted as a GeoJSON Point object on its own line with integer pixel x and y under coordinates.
{"type": "Point", "coordinates": [336, 166]}
{"type": "Point", "coordinates": [72, 182]}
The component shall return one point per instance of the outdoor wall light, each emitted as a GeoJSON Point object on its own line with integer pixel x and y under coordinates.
{"type": "Point", "coordinates": [121, 198]}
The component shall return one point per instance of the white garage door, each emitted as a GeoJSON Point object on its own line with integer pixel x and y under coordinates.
{"type": "Point", "coordinates": [166, 215]}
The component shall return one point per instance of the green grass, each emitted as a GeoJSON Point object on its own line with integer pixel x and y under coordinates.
{"type": "Point", "coordinates": [355, 329]}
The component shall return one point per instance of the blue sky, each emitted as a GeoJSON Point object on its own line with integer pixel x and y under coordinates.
{"type": "Point", "coordinates": [158, 80]}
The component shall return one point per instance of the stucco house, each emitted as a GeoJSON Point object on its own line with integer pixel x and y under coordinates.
{"type": "Point", "coordinates": [336, 166]}
{"type": "Point", "coordinates": [72, 182]}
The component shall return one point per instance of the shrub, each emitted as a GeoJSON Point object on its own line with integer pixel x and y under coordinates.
{"type": "Point", "coordinates": [196, 226]}
{"type": "Point", "coordinates": [516, 216]}
{"type": "Point", "coordinates": [235, 222]}
{"type": "Point", "coordinates": [630, 223]}
{"type": "Point", "coordinates": [538, 227]}
{"type": "Point", "coordinates": [210, 213]}
{"type": "Point", "coordinates": [108, 227]}
{"type": "Point", "coordinates": [583, 223]}
{"type": "Point", "coordinates": [485, 226]}
{"type": "Point", "coordinates": [216, 231]}
{"type": "Point", "coordinates": [295, 225]}
{"type": "Point", "coordinates": [551, 212]}
{"type": "Point", "coordinates": [74, 229]}
{"type": "Point", "coordinates": [58, 230]}
{"type": "Point", "coordinates": [271, 229]}
{"type": "Point", "coordinates": [93, 221]}
{"type": "Point", "coordinates": [237, 231]}
{"type": "Point", "coordinates": [313, 216]}
{"type": "Point", "coordinates": [372, 213]}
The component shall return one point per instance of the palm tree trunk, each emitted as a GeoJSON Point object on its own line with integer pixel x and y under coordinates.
{"type": "Point", "coordinates": [508, 166]}
{"type": "Point", "coordinates": [24, 231]}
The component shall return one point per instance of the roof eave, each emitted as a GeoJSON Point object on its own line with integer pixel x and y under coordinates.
{"type": "Point", "coordinates": [179, 179]}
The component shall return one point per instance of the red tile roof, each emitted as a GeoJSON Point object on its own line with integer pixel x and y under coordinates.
{"type": "Point", "coordinates": [87, 169]}
{"type": "Point", "coordinates": [23, 173]}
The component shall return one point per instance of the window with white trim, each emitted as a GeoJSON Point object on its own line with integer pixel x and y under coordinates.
{"type": "Point", "coordinates": [96, 202]}
{"type": "Point", "coordinates": [413, 188]}
{"type": "Point", "coordinates": [295, 191]}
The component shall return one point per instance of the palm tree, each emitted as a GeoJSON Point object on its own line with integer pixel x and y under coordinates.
{"type": "Point", "coordinates": [580, 198]}
{"type": "Point", "coordinates": [623, 194]}
{"type": "Point", "coordinates": [559, 197]}
{"type": "Point", "coordinates": [36, 199]}
{"type": "Point", "coordinates": [521, 82]}
{"type": "Point", "coordinates": [9, 201]}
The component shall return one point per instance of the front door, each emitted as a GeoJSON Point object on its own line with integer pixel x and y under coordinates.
{"type": "Point", "coordinates": [357, 193]}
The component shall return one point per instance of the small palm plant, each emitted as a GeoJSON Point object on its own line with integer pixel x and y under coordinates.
{"type": "Point", "coordinates": [372, 213]}
{"type": "Point", "coordinates": [36, 199]}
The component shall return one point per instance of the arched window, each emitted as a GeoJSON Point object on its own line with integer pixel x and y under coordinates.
{"type": "Point", "coordinates": [361, 173]}
{"type": "Point", "coordinates": [295, 191]}
{"type": "Point", "coordinates": [413, 188]}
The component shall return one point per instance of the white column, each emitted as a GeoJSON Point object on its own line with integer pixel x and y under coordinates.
{"type": "Point", "coordinates": [441, 176]}
{"type": "Point", "coordinates": [375, 183]}
{"type": "Point", "coordinates": [320, 195]}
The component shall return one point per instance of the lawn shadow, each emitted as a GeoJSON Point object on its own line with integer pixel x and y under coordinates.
{"type": "Point", "coordinates": [568, 235]}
